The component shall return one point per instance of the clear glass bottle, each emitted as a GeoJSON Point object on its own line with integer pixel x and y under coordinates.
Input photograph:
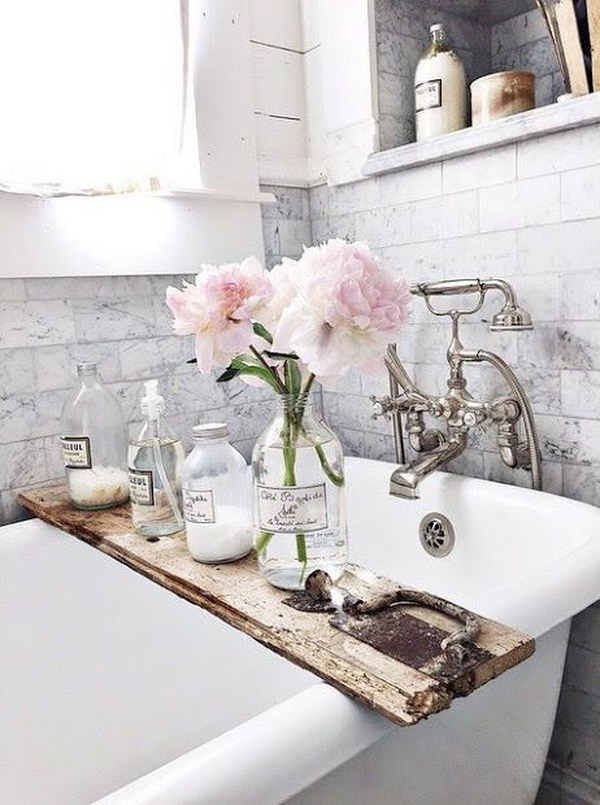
{"type": "Point", "coordinates": [299, 505]}
{"type": "Point", "coordinates": [94, 444]}
{"type": "Point", "coordinates": [440, 88]}
{"type": "Point", "coordinates": [155, 464]}
{"type": "Point", "coordinates": [216, 505]}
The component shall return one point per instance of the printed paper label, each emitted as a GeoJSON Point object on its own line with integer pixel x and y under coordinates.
{"type": "Point", "coordinates": [198, 506]}
{"type": "Point", "coordinates": [77, 452]}
{"type": "Point", "coordinates": [141, 487]}
{"type": "Point", "coordinates": [292, 509]}
{"type": "Point", "coordinates": [428, 95]}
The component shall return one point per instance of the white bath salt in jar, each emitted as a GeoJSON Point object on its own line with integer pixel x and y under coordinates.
{"type": "Point", "coordinates": [216, 497]}
{"type": "Point", "coordinates": [94, 444]}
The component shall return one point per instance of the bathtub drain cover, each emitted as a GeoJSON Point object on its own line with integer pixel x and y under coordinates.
{"type": "Point", "coordinates": [436, 534]}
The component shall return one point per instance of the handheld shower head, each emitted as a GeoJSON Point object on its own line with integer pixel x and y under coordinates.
{"type": "Point", "coordinates": [511, 317]}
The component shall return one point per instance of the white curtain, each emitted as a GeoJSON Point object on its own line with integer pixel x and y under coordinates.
{"type": "Point", "coordinates": [92, 95]}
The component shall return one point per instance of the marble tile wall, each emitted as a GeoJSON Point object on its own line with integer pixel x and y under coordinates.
{"type": "Point", "coordinates": [402, 31]}
{"type": "Point", "coordinates": [48, 325]}
{"type": "Point", "coordinates": [529, 213]}
{"type": "Point", "coordinates": [523, 43]}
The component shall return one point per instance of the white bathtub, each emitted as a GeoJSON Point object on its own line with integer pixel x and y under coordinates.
{"type": "Point", "coordinates": [110, 684]}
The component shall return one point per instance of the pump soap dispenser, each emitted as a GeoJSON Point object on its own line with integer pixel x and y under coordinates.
{"type": "Point", "coordinates": [155, 462]}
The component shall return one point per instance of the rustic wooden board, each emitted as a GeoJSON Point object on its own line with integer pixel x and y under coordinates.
{"type": "Point", "coordinates": [562, 23]}
{"type": "Point", "coordinates": [237, 594]}
{"type": "Point", "coordinates": [593, 13]}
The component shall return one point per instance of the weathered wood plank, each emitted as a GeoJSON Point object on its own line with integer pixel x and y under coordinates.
{"type": "Point", "coordinates": [238, 595]}
{"type": "Point", "coordinates": [593, 13]}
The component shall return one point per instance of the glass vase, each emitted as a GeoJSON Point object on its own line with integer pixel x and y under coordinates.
{"type": "Point", "coordinates": [298, 490]}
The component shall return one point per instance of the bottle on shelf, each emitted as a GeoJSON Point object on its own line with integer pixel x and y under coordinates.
{"type": "Point", "coordinates": [94, 443]}
{"type": "Point", "coordinates": [155, 463]}
{"type": "Point", "coordinates": [440, 88]}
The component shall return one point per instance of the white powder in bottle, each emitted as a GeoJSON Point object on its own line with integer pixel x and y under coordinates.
{"type": "Point", "coordinates": [98, 487]}
{"type": "Point", "coordinates": [440, 89]}
{"type": "Point", "coordinates": [228, 538]}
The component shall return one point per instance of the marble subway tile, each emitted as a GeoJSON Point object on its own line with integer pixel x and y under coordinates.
{"type": "Point", "coordinates": [496, 166]}
{"type": "Point", "coordinates": [576, 708]}
{"type": "Point", "coordinates": [289, 203]}
{"type": "Point", "coordinates": [38, 323]}
{"type": "Point", "coordinates": [192, 393]}
{"type": "Point", "coordinates": [337, 226]}
{"type": "Point", "coordinates": [113, 319]}
{"type": "Point", "coordinates": [352, 411]}
{"type": "Point", "coordinates": [580, 393]}
{"type": "Point", "coordinates": [28, 416]}
{"type": "Point", "coordinates": [518, 30]}
{"type": "Point", "coordinates": [379, 446]}
{"type": "Point", "coordinates": [353, 441]}
{"type": "Point", "coordinates": [54, 461]}
{"type": "Point", "coordinates": [22, 463]}
{"type": "Point", "coordinates": [350, 198]}
{"type": "Point", "coordinates": [107, 287]}
{"type": "Point", "coordinates": [559, 248]}
{"type": "Point", "coordinates": [520, 204]}
{"type": "Point", "coordinates": [56, 367]}
{"type": "Point", "coordinates": [395, 130]}
{"type": "Point", "coordinates": [174, 352]}
{"type": "Point", "coordinates": [575, 752]}
{"type": "Point", "coordinates": [129, 396]}
{"type": "Point", "coordinates": [12, 290]}
{"type": "Point", "coordinates": [582, 483]}
{"type": "Point", "coordinates": [555, 153]}
{"type": "Point", "coordinates": [422, 182]}
{"type": "Point", "coordinates": [538, 57]}
{"type": "Point", "coordinates": [398, 55]}
{"type": "Point", "coordinates": [491, 254]}
{"type": "Point", "coordinates": [415, 262]}
{"type": "Point", "coordinates": [140, 359]}
{"type": "Point", "coordinates": [505, 59]}
{"type": "Point", "coordinates": [496, 470]}
{"type": "Point", "coordinates": [580, 193]}
{"type": "Point", "coordinates": [469, 463]}
{"type": "Point", "coordinates": [286, 237]}
{"type": "Point", "coordinates": [319, 201]}
{"type": "Point", "coordinates": [460, 214]}
{"type": "Point", "coordinates": [579, 345]}
{"type": "Point", "coordinates": [17, 371]}
{"type": "Point", "coordinates": [570, 440]}
{"type": "Point", "coordinates": [580, 296]}
{"type": "Point", "coordinates": [396, 95]}
{"type": "Point", "coordinates": [10, 510]}
{"type": "Point", "coordinates": [585, 630]}
{"type": "Point", "coordinates": [544, 90]}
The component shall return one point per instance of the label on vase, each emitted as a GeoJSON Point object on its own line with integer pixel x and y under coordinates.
{"type": "Point", "coordinates": [141, 487]}
{"type": "Point", "coordinates": [77, 452]}
{"type": "Point", "coordinates": [428, 94]}
{"type": "Point", "coordinates": [292, 509]}
{"type": "Point", "coordinates": [198, 506]}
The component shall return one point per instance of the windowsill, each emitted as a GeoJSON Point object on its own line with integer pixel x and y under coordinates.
{"type": "Point", "coordinates": [538, 122]}
{"type": "Point", "coordinates": [208, 194]}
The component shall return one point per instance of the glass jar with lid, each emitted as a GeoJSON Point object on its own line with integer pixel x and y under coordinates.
{"type": "Point", "coordinates": [216, 500]}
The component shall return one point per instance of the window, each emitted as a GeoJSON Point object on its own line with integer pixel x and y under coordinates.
{"type": "Point", "coordinates": [94, 96]}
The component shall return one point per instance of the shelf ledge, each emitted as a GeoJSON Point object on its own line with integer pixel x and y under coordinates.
{"type": "Point", "coordinates": [571, 114]}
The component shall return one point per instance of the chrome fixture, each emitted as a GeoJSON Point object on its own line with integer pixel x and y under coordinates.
{"type": "Point", "coordinates": [436, 534]}
{"type": "Point", "coordinates": [457, 407]}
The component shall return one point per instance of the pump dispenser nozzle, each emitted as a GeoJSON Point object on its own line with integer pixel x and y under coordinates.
{"type": "Point", "coordinates": [153, 403]}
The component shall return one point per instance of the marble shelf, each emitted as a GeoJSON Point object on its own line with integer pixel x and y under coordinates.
{"type": "Point", "coordinates": [571, 114]}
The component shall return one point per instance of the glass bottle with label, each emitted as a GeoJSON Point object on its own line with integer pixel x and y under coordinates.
{"type": "Point", "coordinates": [94, 444]}
{"type": "Point", "coordinates": [299, 506]}
{"type": "Point", "coordinates": [440, 88]}
{"type": "Point", "coordinates": [215, 480]}
{"type": "Point", "coordinates": [155, 463]}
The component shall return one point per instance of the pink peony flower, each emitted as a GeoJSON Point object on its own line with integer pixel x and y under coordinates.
{"type": "Point", "coordinates": [219, 308]}
{"type": "Point", "coordinates": [347, 308]}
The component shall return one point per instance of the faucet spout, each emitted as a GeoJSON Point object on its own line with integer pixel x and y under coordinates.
{"type": "Point", "coordinates": [405, 479]}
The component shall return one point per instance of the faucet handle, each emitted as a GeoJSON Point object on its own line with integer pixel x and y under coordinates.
{"type": "Point", "coordinates": [382, 406]}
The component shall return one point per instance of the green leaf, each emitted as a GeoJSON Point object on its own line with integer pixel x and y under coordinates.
{"type": "Point", "coordinates": [283, 356]}
{"type": "Point", "coordinates": [293, 378]}
{"type": "Point", "coordinates": [228, 374]}
{"type": "Point", "coordinates": [262, 332]}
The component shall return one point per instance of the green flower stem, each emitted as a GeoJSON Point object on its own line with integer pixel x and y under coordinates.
{"type": "Point", "coordinates": [278, 382]}
{"type": "Point", "coordinates": [289, 479]}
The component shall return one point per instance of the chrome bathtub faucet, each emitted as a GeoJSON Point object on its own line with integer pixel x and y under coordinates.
{"type": "Point", "coordinates": [460, 410]}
